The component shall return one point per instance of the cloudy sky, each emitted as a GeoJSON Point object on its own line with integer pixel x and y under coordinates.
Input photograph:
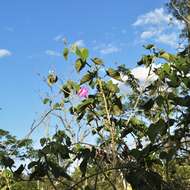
{"type": "Point", "coordinates": [32, 35]}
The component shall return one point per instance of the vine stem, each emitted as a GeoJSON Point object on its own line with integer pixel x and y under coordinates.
{"type": "Point", "coordinates": [95, 174]}
{"type": "Point", "coordinates": [48, 176]}
{"type": "Point", "coordinates": [109, 122]}
{"type": "Point", "coordinates": [107, 178]}
{"type": "Point", "coordinates": [187, 21]}
{"type": "Point", "coordinates": [33, 127]}
{"type": "Point", "coordinates": [138, 98]}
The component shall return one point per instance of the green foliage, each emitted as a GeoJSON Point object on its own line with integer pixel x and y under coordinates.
{"type": "Point", "coordinates": [66, 53]}
{"type": "Point", "coordinates": [114, 74]}
{"type": "Point", "coordinates": [80, 64]}
{"type": "Point", "coordinates": [51, 79]}
{"type": "Point", "coordinates": [155, 119]}
{"type": "Point", "coordinates": [97, 61]}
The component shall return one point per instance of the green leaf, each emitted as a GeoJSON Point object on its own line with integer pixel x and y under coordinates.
{"type": "Point", "coordinates": [43, 141]}
{"type": "Point", "coordinates": [146, 60]}
{"type": "Point", "coordinates": [135, 153]}
{"type": "Point", "coordinates": [52, 78]}
{"type": "Point", "coordinates": [163, 155]}
{"type": "Point", "coordinates": [97, 61]}
{"type": "Point", "coordinates": [59, 136]}
{"type": "Point", "coordinates": [87, 187]}
{"type": "Point", "coordinates": [148, 105]}
{"type": "Point", "coordinates": [117, 106]}
{"type": "Point", "coordinates": [3, 132]}
{"type": "Point", "coordinates": [174, 80]}
{"type": "Point", "coordinates": [19, 171]}
{"type": "Point", "coordinates": [58, 171]}
{"type": "Point", "coordinates": [64, 152]}
{"type": "Point", "coordinates": [78, 52]}
{"type": "Point", "coordinates": [79, 65]}
{"type": "Point", "coordinates": [90, 117]}
{"type": "Point", "coordinates": [46, 100]}
{"type": "Point", "coordinates": [155, 129]}
{"type": "Point", "coordinates": [87, 77]}
{"type": "Point", "coordinates": [160, 100]}
{"type": "Point", "coordinates": [7, 162]}
{"type": "Point", "coordinates": [166, 68]}
{"type": "Point", "coordinates": [66, 53]}
{"type": "Point", "coordinates": [85, 103]}
{"type": "Point", "coordinates": [24, 142]}
{"type": "Point", "coordinates": [66, 91]}
{"type": "Point", "coordinates": [83, 166]}
{"type": "Point", "coordinates": [84, 54]}
{"type": "Point", "coordinates": [181, 101]}
{"type": "Point", "coordinates": [186, 81]}
{"type": "Point", "coordinates": [114, 74]}
{"type": "Point", "coordinates": [86, 154]}
{"type": "Point", "coordinates": [167, 155]}
{"type": "Point", "coordinates": [68, 141]}
{"type": "Point", "coordinates": [149, 46]}
{"type": "Point", "coordinates": [40, 170]}
{"type": "Point", "coordinates": [80, 116]}
{"type": "Point", "coordinates": [167, 56]}
{"type": "Point", "coordinates": [32, 164]}
{"type": "Point", "coordinates": [58, 149]}
{"type": "Point", "coordinates": [73, 85]}
{"type": "Point", "coordinates": [56, 106]}
{"type": "Point", "coordinates": [112, 87]}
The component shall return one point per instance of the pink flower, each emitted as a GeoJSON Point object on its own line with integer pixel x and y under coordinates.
{"type": "Point", "coordinates": [83, 92]}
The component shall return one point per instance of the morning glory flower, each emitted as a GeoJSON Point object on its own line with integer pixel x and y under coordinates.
{"type": "Point", "coordinates": [83, 92]}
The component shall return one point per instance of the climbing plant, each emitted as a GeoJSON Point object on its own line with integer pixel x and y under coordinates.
{"type": "Point", "coordinates": [90, 147]}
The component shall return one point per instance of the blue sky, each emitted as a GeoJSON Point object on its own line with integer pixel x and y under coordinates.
{"type": "Point", "coordinates": [31, 42]}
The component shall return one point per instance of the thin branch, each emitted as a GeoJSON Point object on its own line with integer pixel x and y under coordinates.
{"type": "Point", "coordinates": [138, 98]}
{"type": "Point", "coordinates": [92, 175]}
{"type": "Point", "coordinates": [49, 178]}
{"type": "Point", "coordinates": [107, 178]}
{"type": "Point", "coordinates": [109, 121]}
{"type": "Point", "coordinates": [33, 127]}
{"type": "Point", "coordinates": [179, 14]}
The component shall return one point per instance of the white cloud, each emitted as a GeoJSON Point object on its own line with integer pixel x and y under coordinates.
{"type": "Point", "coordinates": [168, 39]}
{"type": "Point", "coordinates": [52, 53]}
{"type": "Point", "coordinates": [158, 16]}
{"type": "Point", "coordinates": [60, 38]}
{"type": "Point", "coordinates": [141, 73]}
{"type": "Point", "coordinates": [159, 26]}
{"type": "Point", "coordinates": [107, 48]}
{"type": "Point", "coordinates": [4, 53]}
{"type": "Point", "coordinates": [79, 43]}
{"type": "Point", "coordinates": [148, 34]}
